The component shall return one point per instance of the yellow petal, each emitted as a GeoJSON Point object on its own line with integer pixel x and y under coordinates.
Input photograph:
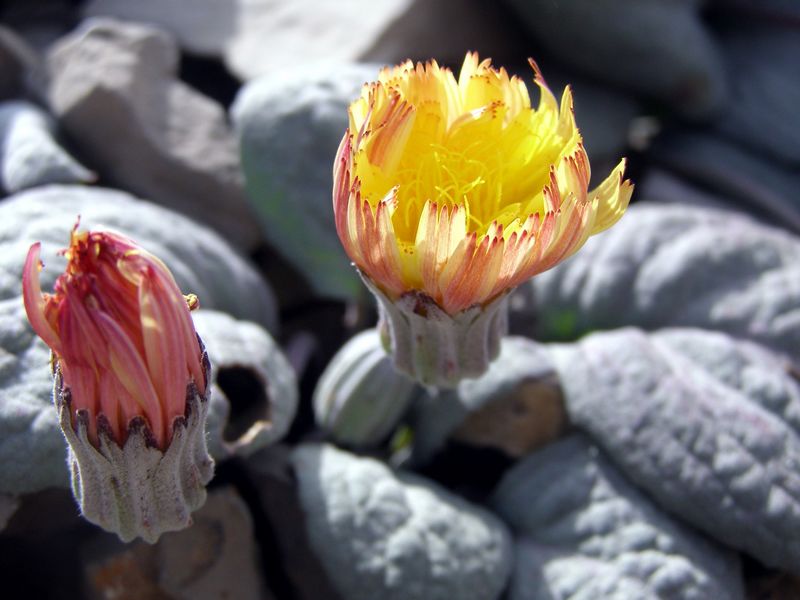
{"type": "Point", "coordinates": [612, 196]}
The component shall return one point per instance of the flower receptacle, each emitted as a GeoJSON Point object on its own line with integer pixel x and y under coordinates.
{"type": "Point", "coordinates": [137, 489]}
{"type": "Point", "coordinates": [435, 348]}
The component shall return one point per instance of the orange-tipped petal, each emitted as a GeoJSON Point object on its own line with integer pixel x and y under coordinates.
{"type": "Point", "coordinates": [130, 369]}
{"type": "Point", "coordinates": [164, 350]}
{"type": "Point", "coordinates": [34, 301]}
{"type": "Point", "coordinates": [612, 196]}
{"type": "Point", "coordinates": [467, 163]}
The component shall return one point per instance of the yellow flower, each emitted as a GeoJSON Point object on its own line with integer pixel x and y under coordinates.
{"type": "Point", "coordinates": [458, 189]}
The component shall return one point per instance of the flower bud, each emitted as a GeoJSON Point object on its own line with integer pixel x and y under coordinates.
{"type": "Point", "coordinates": [130, 384]}
{"type": "Point", "coordinates": [360, 398]}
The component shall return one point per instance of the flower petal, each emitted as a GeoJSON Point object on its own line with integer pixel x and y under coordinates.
{"type": "Point", "coordinates": [613, 196]}
{"type": "Point", "coordinates": [35, 302]}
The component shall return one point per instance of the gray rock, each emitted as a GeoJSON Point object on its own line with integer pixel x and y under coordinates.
{"type": "Point", "coordinates": [381, 535]}
{"type": "Point", "coordinates": [604, 115]}
{"type": "Point", "coordinates": [584, 532]}
{"type": "Point", "coordinates": [202, 27]}
{"type": "Point", "coordinates": [216, 558]}
{"type": "Point", "coordinates": [360, 398]}
{"type": "Point", "coordinates": [255, 37]}
{"type": "Point", "coordinates": [506, 408]}
{"type": "Point", "coordinates": [29, 154]}
{"type": "Point", "coordinates": [251, 381]}
{"type": "Point", "coordinates": [765, 188]}
{"type": "Point", "coordinates": [765, 90]}
{"type": "Point", "coordinates": [114, 88]}
{"type": "Point", "coordinates": [675, 265]}
{"type": "Point", "coordinates": [446, 30]}
{"type": "Point", "coordinates": [289, 126]}
{"type": "Point", "coordinates": [660, 185]}
{"type": "Point", "coordinates": [657, 47]}
{"type": "Point", "coordinates": [259, 36]}
{"type": "Point", "coordinates": [707, 426]}
{"type": "Point", "coordinates": [8, 506]}
{"type": "Point", "coordinates": [19, 66]}
{"type": "Point", "coordinates": [305, 31]}
{"type": "Point", "coordinates": [201, 261]}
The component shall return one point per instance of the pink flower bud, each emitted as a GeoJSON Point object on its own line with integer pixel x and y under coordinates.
{"type": "Point", "coordinates": [121, 333]}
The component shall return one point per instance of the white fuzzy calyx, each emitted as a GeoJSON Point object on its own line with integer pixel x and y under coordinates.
{"type": "Point", "coordinates": [138, 490]}
{"type": "Point", "coordinates": [435, 348]}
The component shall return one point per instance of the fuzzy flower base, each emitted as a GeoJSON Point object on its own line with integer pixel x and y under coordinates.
{"type": "Point", "coordinates": [435, 348]}
{"type": "Point", "coordinates": [138, 490]}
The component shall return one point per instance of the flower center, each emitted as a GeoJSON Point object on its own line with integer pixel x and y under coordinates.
{"type": "Point", "coordinates": [475, 143]}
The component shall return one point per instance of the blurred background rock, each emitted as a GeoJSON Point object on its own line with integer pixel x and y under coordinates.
{"type": "Point", "coordinates": [230, 111]}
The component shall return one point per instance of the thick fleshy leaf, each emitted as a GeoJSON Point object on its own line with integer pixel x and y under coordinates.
{"type": "Point", "coordinates": [29, 154]}
{"type": "Point", "coordinates": [360, 398]}
{"type": "Point", "coordinates": [289, 126]}
{"type": "Point", "coordinates": [676, 265]}
{"type": "Point", "coordinates": [583, 532]}
{"type": "Point", "coordinates": [254, 391]}
{"type": "Point", "coordinates": [32, 449]}
{"type": "Point", "coordinates": [709, 426]}
{"type": "Point", "coordinates": [389, 536]}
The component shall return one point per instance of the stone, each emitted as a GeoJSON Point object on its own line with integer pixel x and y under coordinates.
{"type": "Point", "coordinates": [516, 407]}
{"type": "Point", "coordinates": [215, 558]}
{"type": "Point", "coordinates": [29, 154]}
{"type": "Point", "coordinates": [396, 536]}
{"type": "Point", "coordinates": [663, 186]}
{"type": "Point", "coordinates": [201, 261]}
{"type": "Point", "coordinates": [446, 30]}
{"type": "Point", "coordinates": [764, 91]}
{"type": "Point", "coordinates": [289, 125]}
{"type": "Point", "coordinates": [583, 532]}
{"type": "Point", "coordinates": [114, 88]}
{"type": "Point", "coordinates": [707, 425]}
{"type": "Point", "coordinates": [255, 37]}
{"type": "Point", "coordinates": [604, 115]}
{"type": "Point", "coordinates": [529, 417]}
{"type": "Point", "coordinates": [306, 31]}
{"type": "Point", "coordinates": [258, 36]}
{"type": "Point", "coordinates": [676, 265]}
{"type": "Point", "coordinates": [20, 66]}
{"type": "Point", "coordinates": [656, 47]}
{"type": "Point", "coordinates": [8, 506]}
{"type": "Point", "coordinates": [749, 181]}
{"type": "Point", "coordinates": [202, 27]}
{"type": "Point", "coordinates": [254, 391]}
